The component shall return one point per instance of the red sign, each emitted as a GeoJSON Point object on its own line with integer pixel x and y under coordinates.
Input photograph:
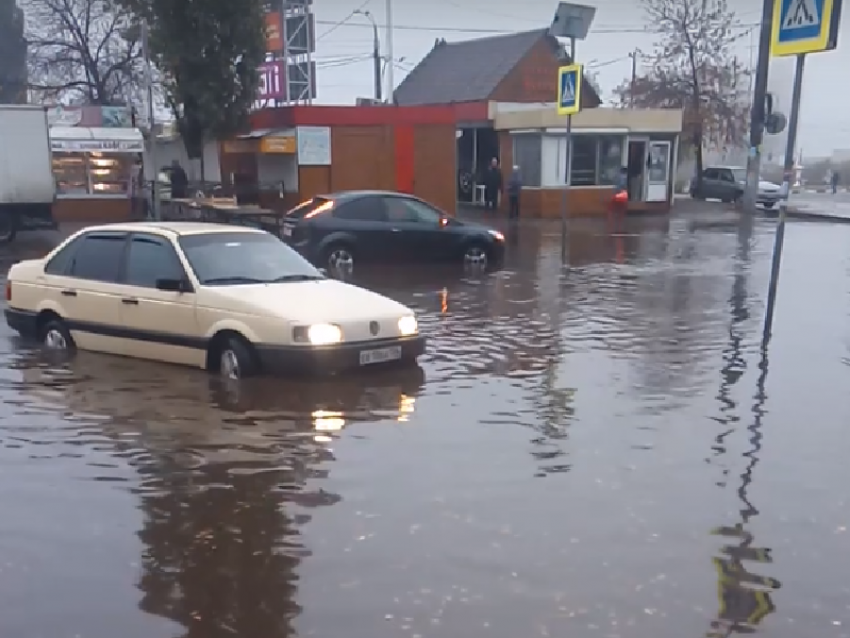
{"type": "Point", "coordinates": [272, 81]}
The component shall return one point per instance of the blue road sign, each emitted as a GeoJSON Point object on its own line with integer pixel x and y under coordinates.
{"type": "Point", "coordinates": [569, 89]}
{"type": "Point", "coordinates": [804, 26]}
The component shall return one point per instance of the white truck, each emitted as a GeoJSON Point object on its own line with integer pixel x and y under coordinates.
{"type": "Point", "coordinates": [27, 186]}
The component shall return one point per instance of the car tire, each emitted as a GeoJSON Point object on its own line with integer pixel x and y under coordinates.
{"type": "Point", "coordinates": [338, 257]}
{"type": "Point", "coordinates": [769, 205]}
{"type": "Point", "coordinates": [237, 360]}
{"type": "Point", "coordinates": [476, 253]}
{"type": "Point", "coordinates": [54, 335]}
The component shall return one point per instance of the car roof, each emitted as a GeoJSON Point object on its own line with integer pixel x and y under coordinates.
{"type": "Point", "coordinates": [172, 228]}
{"type": "Point", "coordinates": [346, 195]}
{"type": "Point", "coordinates": [731, 168]}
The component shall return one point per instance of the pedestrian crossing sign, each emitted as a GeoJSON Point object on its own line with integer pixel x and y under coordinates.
{"type": "Point", "coordinates": [569, 89]}
{"type": "Point", "coordinates": [804, 26]}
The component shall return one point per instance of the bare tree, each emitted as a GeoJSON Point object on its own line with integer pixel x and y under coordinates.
{"type": "Point", "coordinates": [693, 68]}
{"type": "Point", "coordinates": [83, 52]}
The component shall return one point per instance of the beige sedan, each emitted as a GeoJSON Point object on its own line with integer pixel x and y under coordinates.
{"type": "Point", "coordinates": [233, 300]}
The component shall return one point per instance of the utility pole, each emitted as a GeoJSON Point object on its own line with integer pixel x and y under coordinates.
{"type": "Point", "coordinates": [634, 56]}
{"type": "Point", "coordinates": [376, 59]}
{"type": "Point", "coordinates": [152, 160]}
{"type": "Point", "coordinates": [757, 114]}
{"type": "Point", "coordinates": [390, 53]}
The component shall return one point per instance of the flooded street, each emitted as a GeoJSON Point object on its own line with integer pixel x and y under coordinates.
{"type": "Point", "coordinates": [595, 451]}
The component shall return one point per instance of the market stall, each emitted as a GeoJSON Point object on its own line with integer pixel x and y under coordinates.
{"type": "Point", "coordinates": [93, 168]}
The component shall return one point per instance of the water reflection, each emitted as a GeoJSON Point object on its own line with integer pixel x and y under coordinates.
{"type": "Point", "coordinates": [744, 597]}
{"type": "Point", "coordinates": [227, 476]}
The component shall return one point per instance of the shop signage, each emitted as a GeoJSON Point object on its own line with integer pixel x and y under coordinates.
{"type": "Point", "coordinates": [90, 116]}
{"type": "Point", "coordinates": [108, 146]}
{"type": "Point", "coordinates": [274, 38]}
{"type": "Point", "coordinates": [239, 146]}
{"type": "Point", "coordinates": [280, 145]}
{"type": "Point", "coordinates": [272, 81]}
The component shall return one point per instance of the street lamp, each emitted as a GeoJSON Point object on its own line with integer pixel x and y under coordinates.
{"type": "Point", "coordinates": [571, 21]}
{"type": "Point", "coordinates": [376, 51]}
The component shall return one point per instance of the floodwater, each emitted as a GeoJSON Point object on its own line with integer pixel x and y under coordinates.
{"type": "Point", "coordinates": [597, 451]}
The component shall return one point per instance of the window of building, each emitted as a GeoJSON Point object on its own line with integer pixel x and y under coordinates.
{"type": "Point", "coordinates": [528, 155]}
{"type": "Point", "coordinates": [595, 160]}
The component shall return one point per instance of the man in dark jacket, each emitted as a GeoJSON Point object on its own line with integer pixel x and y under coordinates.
{"type": "Point", "coordinates": [514, 191]}
{"type": "Point", "coordinates": [179, 181]}
{"type": "Point", "coordinates": [492, 185]}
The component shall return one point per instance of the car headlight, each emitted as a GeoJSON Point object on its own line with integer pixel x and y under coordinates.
{"type": "Point", "coordinates": [324, 334]}
{"type": "Point", "coordinates": [408, 326]}
{"type": "Point", "coordinates": [496, 235]}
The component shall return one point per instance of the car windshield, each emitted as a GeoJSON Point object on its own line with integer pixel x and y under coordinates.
{"type": "Point", "coordinates": [231, 259]}
{"type": "Point", "coordinates": [740, 174]}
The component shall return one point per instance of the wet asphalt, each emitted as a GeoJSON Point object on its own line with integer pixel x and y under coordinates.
{"type": "Point", "coordinates": [601, 449]}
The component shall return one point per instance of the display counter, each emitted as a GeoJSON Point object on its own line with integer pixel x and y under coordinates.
{"type": "Point", "coordinates": [93, 170]}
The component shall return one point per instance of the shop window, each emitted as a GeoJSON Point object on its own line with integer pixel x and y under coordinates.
{"type": "Point", "coordinates": [528, 156]}
{"type": "Point", "coordinates": [93, 173]}
{"type": "Point", "coordinates": [596, 159]}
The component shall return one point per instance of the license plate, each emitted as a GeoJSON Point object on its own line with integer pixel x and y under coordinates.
{"type": "Point", "coordinates": [380, 355]}
{"type": "Point", "coordinates": [287, 231]}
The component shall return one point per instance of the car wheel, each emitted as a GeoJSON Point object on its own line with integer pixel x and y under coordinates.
{"type": "Point", "coordinates": [54, 335]}
{"type": "Point", "coordinates": [475, 254]}
{"type": "Point", "coordinates": [8, 228]}
{"type": "Point", "coordinates": [769, 204]}
{"type": "Point", "coordinates": [339, 258]}
{"type": "Point", "coordinates": [236, 360]}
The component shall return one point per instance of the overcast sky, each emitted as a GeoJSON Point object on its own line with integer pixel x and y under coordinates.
{"type": "Point", "coordinates": [344, 44]}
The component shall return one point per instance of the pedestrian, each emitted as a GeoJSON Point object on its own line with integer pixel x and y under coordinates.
{"type": "Point", "coordinates": [179, 181]}
{"type": "Point", "coordinates": [620, 198]}
{"type": "Point", "coordinates": [492, 185]}
{"type": "Point", "coordinates": [836, 179]}
{"type": "Point", "coordinates": [514, 192]}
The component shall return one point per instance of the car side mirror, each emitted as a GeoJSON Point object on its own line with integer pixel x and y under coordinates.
{"type": "Point", "coordinates": [173, 285]}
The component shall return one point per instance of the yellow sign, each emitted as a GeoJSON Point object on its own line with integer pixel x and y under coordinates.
{"type": "Point", "coordinates": [281, 145]}
{"type": "Point", "coordinates": [804, 26]}
{"type": "Point", "coordinates": [569, 89]}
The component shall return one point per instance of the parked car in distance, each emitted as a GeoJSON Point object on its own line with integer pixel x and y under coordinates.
{"type": "Point", "coordinates": [336, 230]}
{"type": "Point", "coordinates": [727, 183]}
{"type": "Point", "coordinates": [233, 300]}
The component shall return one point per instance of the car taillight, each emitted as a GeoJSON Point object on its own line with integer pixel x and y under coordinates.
{"type": "Point", "coordinates": [8, 290]}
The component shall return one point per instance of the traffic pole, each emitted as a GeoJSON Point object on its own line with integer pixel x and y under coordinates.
{"type": "Point", "coordinates": [786, 189]}
{"type": "Point", "coordinates": [567, 158]}
{"type": "Point", "coordinates": [757, 114]}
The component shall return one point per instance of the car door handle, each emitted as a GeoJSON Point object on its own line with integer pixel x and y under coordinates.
{"type": "Point", "coordinates": [69, 293]}
{"type": "Point", "coordinates": [129, 301]}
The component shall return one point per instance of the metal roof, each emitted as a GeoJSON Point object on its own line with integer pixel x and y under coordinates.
{"type": "Point", "coordinates": [465, 71]}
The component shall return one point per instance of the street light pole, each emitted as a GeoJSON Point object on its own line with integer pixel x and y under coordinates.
{"type": "Point", "coordinates": [390, 53]}
{"type": "Point", "coordinates": [376, 53]}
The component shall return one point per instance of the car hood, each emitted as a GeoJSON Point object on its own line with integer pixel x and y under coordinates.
{"type": "Point", "coordinates": [325, 300]}
{"type": "Point", "coordinates": [768, 186]}
{"type": "Point", "coordinates": [470, 227]}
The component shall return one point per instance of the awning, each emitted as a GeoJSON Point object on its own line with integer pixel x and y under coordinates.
{"type": "Point", "coordinates": [271, 141]}
{"type": "Point", "coordinates": [76, 139]}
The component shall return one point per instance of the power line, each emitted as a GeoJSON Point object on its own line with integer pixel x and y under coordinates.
{"type": "Point", "coordinates": [441, 29]}
{"type": "Point", "coordinates": [337, 25]}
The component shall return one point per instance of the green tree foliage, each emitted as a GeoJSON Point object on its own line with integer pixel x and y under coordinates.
{"type": "Point", "coordinates": [82, 52]}
{"type": "Point", "coordinates": [208, 53]}
{"type": "Point", "coordinates": [693, 68]}
{"type": "Point", "coordinates": [13, 54]}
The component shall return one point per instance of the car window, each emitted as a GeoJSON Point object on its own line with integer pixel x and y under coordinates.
{"type": "Point", "coordinates": [59, 263]}
{"type": "Point", "coordinates": [234, 258]}
{"type": "Point", "coordinates": [726, 175]}
{"type": "Point", "coordinates": [366, 209]}
{"type": "Point", "coordinates": [709, 173]}
{"type": "Point", "coordinates": [402, 209]}
{"type": "Point", "coordinates": [99, 257]}
{"type": "Point", "coordinates": [151, 258]}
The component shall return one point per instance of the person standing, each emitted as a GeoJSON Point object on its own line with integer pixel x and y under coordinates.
{"type": "Point", "coordinates": [179, 181]}
{"type": "Point", "coordinates": [492, 185]}
{"type": "Point", "coordinates": [514, 192]}
{"type": "Point", "coordinates": [836, 179]}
